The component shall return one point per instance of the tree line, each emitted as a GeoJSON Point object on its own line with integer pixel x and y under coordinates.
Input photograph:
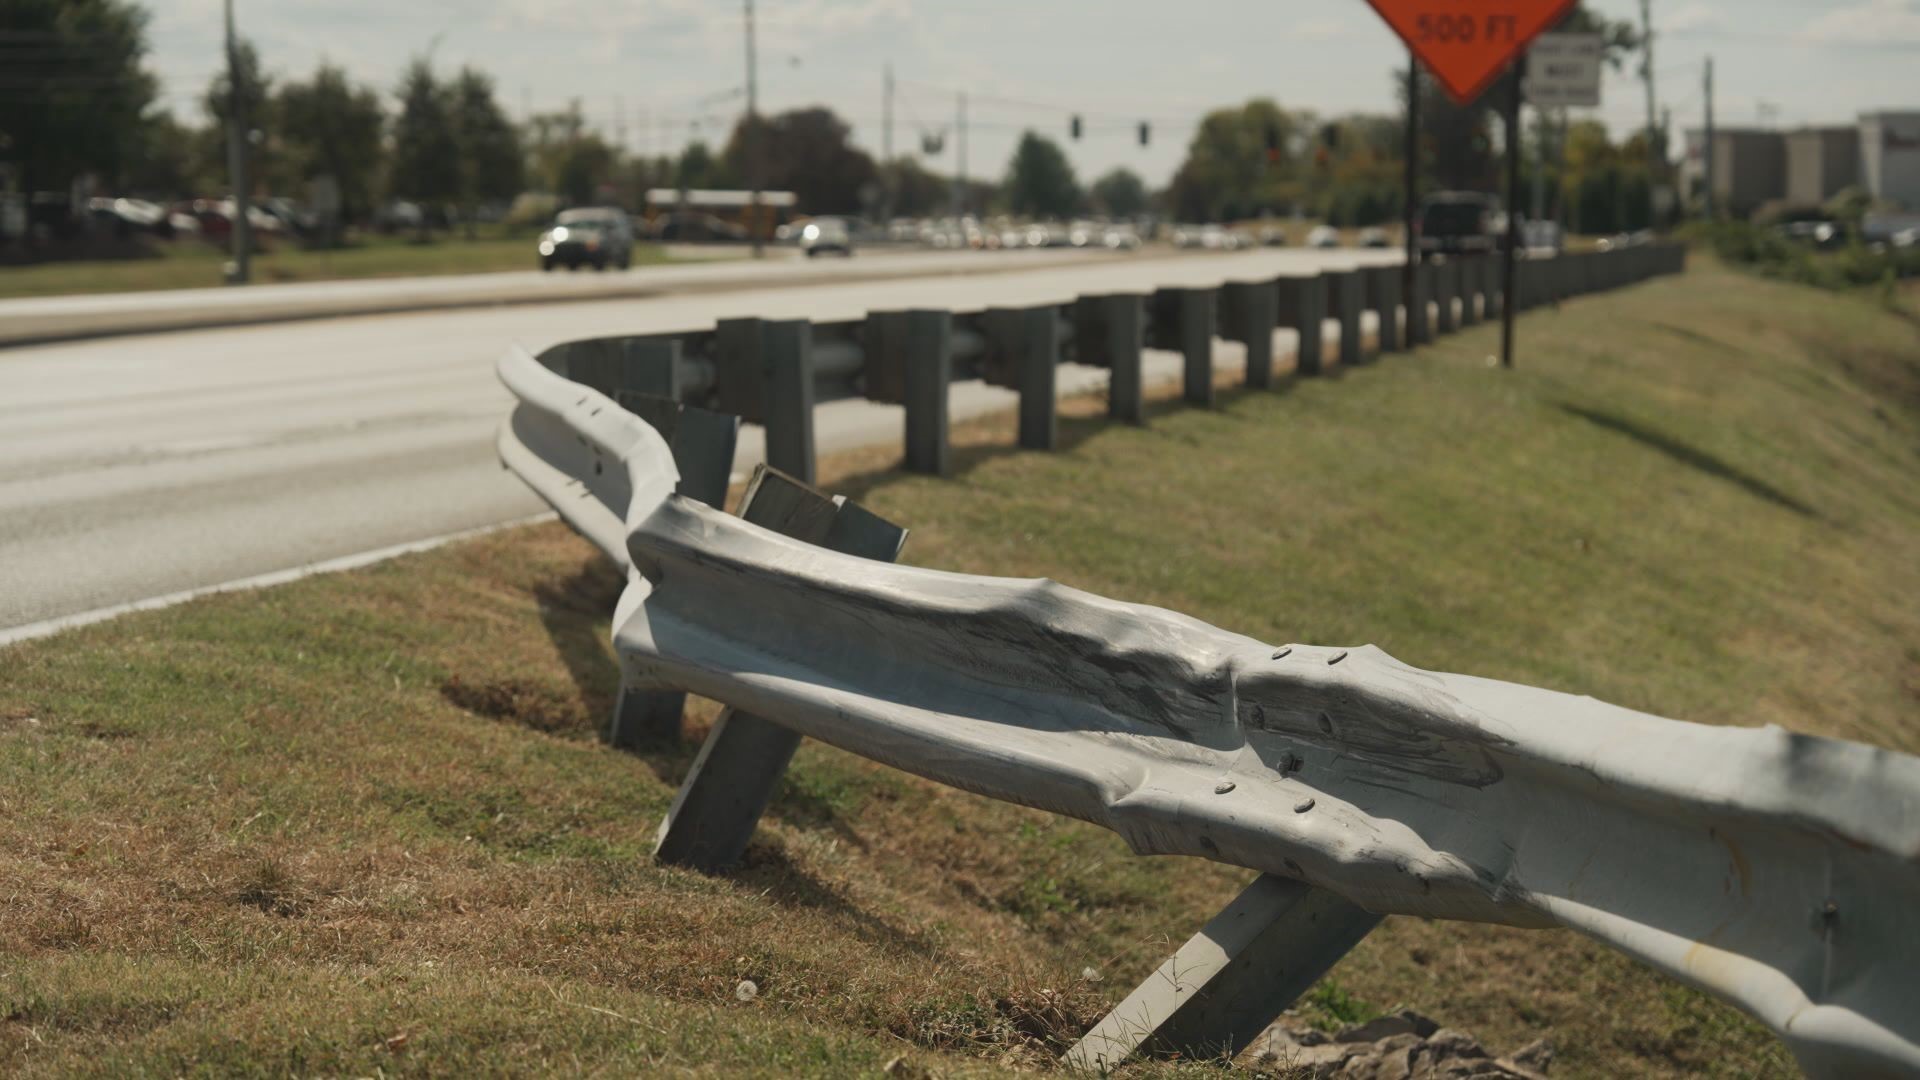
{"type": "Point", "coordinates": [86, 106]}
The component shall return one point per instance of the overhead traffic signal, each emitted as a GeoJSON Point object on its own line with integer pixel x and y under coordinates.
{"type": "Point", "coordinates": [1146, 133]}
{"type": "Point", "coordinates": [1074, 127]}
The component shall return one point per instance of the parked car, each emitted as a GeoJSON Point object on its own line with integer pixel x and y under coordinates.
{"type": "Point", "coordinates": [1373, 236]}
{"type": "Point", "coordinates": [597, 236]}
{"type": "Point", "coordinates": [1323, 236]}
{"type": "Point", "coordinates": [1459, 223]}
{"type": "Point", "coordinates": [1273, 236]}
{"type": "Point", "coordinates": [825, 235]}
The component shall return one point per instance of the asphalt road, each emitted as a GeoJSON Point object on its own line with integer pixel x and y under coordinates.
{"type": "Point", "coordinates": [135, 467]}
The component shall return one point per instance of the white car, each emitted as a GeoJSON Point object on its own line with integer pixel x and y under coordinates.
{"type": "Point", "coordinates": [1324, 236]}
{"type": "Point", "coordinates": [824, 234]}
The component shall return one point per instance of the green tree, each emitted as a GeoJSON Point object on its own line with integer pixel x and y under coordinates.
{"type": "Point", "coordinates": [492, 168]}
{"type": "Point", "coordinates": [1040, 181]}
{"type": "Point", "coordinates": [426, 149]}
{"type": "Point", "coordinates": [332, 128]}
{"type": "Point", "coordinates": [698, 168]}
{"type": "Point", "coordinates": [916, 192]}
{"type": "Point", "coordinates": [1120, 194]}
{"type": "Point", "coordinates": [810, 153]}
{"type": "Point", "coordinates": [76, 92]}
{"type": "Point", "coordinates": [1242, 162]}
{"type": "Point", "coordinates": [570, 160]}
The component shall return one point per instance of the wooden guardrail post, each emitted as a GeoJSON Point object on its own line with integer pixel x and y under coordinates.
{"type": "Point", "coordinates": [1232, 979]}
{"type": "Point", "coordinates": [786, 348]}
{"type": "Point", "coordinates": [1419, 318]}
{"type": "Point", "coordinates": [1108, 333]}
{"type": "Point", "coordinates": [1197, 314]}
{"type": "Point", "coordinates": [1446, 288]}
{"type": "Point", "coordinates": [733, 778]}
{"type": "Point", "coordinates": [1303, 308]}
{"type": "Point", "coordinates": [1345, 296]}
{"type": "Point", "coordinates": [1383, 299]}
{"type": "Point", "coordinates": [1023, 354]}
{"type": "Point", "coordinates": [1472, 287]}
{"type": "Point", "coordinates": [1249, 313]}
{"type": "Point", "coordinates": [929, 370]}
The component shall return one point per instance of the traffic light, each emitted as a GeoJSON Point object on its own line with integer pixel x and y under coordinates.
{"type": "Point", "coordinates": [1273, 144]}
{"type": "Point", "coordinates": [1075, 127]}
{"type": "Point", "coordinates": [1146, 133]}
{"type": "Point", "coordinates": [1330, 136]}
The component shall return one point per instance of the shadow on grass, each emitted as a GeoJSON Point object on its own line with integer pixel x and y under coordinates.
{"type": "Point", "coordinates": [1689, 456]}
{"type": "Point", "coordinates": [788, 885]}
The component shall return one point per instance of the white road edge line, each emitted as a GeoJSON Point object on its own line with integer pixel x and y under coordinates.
{"type": "Point", "coordinates": [48, 627]}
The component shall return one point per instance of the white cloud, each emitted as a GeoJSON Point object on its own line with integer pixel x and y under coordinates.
{"type": "Point", "coordinates": [1868, 22]}
{"type": "Point", "coordinates": [1322, 29]}
{"type": "Point", "coordinates": [1692, 18]}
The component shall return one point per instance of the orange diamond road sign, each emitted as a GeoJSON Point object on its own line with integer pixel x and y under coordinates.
{"type": "Point", "coordinates": [1467, 43]}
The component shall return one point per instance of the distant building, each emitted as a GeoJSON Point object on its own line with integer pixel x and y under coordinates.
{"type": "Point", "coordinates": [1820, 163]}
{"type": "Point", "coordinates": [1890, 157]}
{"type": "Point", "coordinates": [1749, 167]}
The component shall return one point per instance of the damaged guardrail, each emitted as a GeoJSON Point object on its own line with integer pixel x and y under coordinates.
{"type": "Point", "coordinates": [1778, 871]}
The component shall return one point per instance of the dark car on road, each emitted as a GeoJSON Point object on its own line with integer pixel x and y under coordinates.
{"type": "Point", "coordinates": [1459, 223]}
{"type": "Point", "coordinates": [599, 236]}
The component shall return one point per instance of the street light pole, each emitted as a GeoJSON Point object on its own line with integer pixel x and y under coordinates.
{"type": "Point", "coordinates": [753, 142]}
{"type": "Point", "coordinates": [241, 230]}
{"type": "Point", "coordinates": [1413, 186]}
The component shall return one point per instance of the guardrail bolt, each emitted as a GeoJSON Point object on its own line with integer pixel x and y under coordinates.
{"type": "Point", "coordinates": [1336, 658]}
{"type": "Point", "coordinates": [1281, 654]}
{"type": "Point", "coordinates": [1829, 913]}
{"type": "Point", "coordinates": [1303, 806]}
{"type": "Point", "coordinates": [1223, 787]}
{"type": "Point", "coordinates": [1326, 723]}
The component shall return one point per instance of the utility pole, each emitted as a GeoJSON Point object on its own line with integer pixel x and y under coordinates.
{"type": "Point", "coordinates": [960, 154]}
{"type": "Point", "coordinates": [753, 143]}
{"type": "Point", "coordinates": [1708, 89]}
{"type": "Point", "coordinates": [237, 162]}
{"type": "Point", "coordinates": [1413, 184]}
{"type": "Point", "coordinates": [886, 147]}
{"type": "Point", "coordinates": [1646, 45]}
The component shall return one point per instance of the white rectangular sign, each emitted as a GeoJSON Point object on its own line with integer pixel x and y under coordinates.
{"type": "Point", "coordinates": [1564, 70]}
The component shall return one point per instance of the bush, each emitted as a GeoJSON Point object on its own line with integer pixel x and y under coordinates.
{"type": "Point", "coordinates": [1767, 252]}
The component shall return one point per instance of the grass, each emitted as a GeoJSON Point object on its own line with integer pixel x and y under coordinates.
{"type": "Point", "coordinates": [360, 824]}
{"type": "Point", "coordinates": [194, 264]}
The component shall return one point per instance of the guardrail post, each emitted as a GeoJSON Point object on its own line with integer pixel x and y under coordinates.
{"type": "Point", "coordinates": [1446, 286]}
{"type": "Point", "coordinates": [1383, 298]}
{"type": "Point", "coordinates": [1473, 274]}
{"type": "Point", "coordinates": [1419, 319]}
{"type": "Point", "coordinates": [703, 445]}
{"type": "Point", "coordinates": [1232, 979]}
{"type": "Point", "coordinates": [1107, 333]}
{"type": "Point", "coordinates": [1303, 307]}
{"type": "Point", "coordinates": [1250, 311]}
{"type": "Point", "coordinates": [786, 348]}
{"type": "Point", "coordinates": [929, 369]}
{"type": "Point", "coordinates": [739, 375]}
{"type": "Point", "coordinates": [1197, 315]}
{"type": "Point", "coordinates": [734, 776]}
{"type": "Point", "coordinates": [1023, 354]}
{"type": "Point", "coordinates": [1344, 295]}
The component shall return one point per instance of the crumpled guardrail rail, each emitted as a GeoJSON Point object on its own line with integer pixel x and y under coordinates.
{"type": "Point", "coordinates": [1778, 871]}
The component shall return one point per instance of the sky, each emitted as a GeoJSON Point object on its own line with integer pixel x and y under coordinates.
{"type": "Point", "coordinates": [661, 72]}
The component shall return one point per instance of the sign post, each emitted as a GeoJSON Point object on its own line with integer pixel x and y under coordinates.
{"type": "Point", "coordinates": [1466, 44]}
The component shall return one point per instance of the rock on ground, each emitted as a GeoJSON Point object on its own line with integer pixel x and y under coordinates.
{"type": "Point", "coordinates": [1404, 1046]}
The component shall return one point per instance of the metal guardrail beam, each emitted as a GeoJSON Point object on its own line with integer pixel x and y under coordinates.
{"type": "Point", "coordinates": [1778, 871]}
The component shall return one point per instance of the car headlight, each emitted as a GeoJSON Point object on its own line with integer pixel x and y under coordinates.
{"type": "Point", "coordinates": [811, 232]}
{"type": "Point", "coordinates": [559, 233]}
{"type": "Point", "coordinates": [546, 247]}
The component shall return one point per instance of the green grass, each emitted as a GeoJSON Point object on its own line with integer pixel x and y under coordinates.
{"type": "Point", "coordinates": [360, 824]}
{"type": "Point", "coordinates": [193, 264]}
